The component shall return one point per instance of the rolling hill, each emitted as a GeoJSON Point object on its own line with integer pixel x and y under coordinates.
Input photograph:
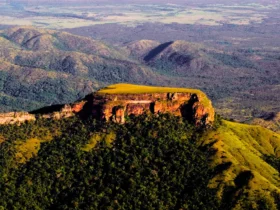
{"type": "Point", "coordinates": [241, 150]}
{"type": "Point", "coordinates": [41, 67]}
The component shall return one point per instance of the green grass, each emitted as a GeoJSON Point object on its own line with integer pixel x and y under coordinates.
{"type": "Point", "coordinates": [97, 138]}
{"type": "Point", "coordinates": [244, 147]}
{"type": "Point", "coordinates": [27, 150]}
{"type": "Point", "coordinates": [30, 147]}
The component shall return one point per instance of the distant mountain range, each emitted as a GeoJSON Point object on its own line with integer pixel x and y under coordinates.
{"type": "Point", "coordinates": [39, 67]}
{"type": "Point", "coordinates": [43, 67]}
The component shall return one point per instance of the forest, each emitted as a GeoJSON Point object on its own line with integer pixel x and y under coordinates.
{"type": "Point", "coordinates": [148, 163]}
{"type": "Point", "coordinates": [151, 162]}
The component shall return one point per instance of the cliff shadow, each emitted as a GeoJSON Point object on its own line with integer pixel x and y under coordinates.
{"type": "Point", "coordinates": [91, 109]}
{"type": "Point", "coordinates": [187, 111]}
{"type": "Point", "coordinates": [152, 107]}
{"type": "Point", "coordinates": [181, 60]}
{"type": "Point", "coordinates": [153, 53]}
{"type": "Point", "coordinates": [48, 109]}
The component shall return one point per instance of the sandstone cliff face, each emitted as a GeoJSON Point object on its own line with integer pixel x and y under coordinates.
{"type": "Point", "coordinates": [65, 112]}
{"type": "Point", "coordinates": [116, 107]}
{"type": "Point", "coordinates": [21, 117]}
{"type": "Point", "coordinates": [194, 107]}
{"type": "Point", "coordinates": [15, 117]}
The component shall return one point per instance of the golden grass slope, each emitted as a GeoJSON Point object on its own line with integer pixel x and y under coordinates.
{"type": "Point", "coordinates": [240, 148]}
{"type": "Point", "coordinates": [97, 138]}
{"type": "Point", "coordinates": [29, 148]}
{"type": "Point", "coordinates": [124, 88]}
{"type": "Point", "coordinates": [35, 39]}
{"type": "Point", "coordinates": [26, 150]}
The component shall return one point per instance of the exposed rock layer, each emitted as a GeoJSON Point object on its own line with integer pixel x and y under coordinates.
{"type": "Point", "coordinates": [15, 117]}
{"type": "Point", "coordinates": [117, 107]}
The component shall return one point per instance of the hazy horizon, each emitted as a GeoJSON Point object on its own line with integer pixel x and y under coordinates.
{"type": "Point", "coordinates": [148, 1]}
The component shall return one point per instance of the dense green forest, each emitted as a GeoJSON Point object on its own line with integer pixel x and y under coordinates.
{"type": "Point", "coordinates": [151, 162]}
{"type": "Point", "coordinates": [148, 163]}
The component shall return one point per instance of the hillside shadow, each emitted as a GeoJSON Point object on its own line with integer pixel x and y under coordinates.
{"type": "Point", "coordinates": [48, 109]}
{"type": "Point", "coordinates": [153, 53]}
{"type": "Point", "coordinates": [268, 116]}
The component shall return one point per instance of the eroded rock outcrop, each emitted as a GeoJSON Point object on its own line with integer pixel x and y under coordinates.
{"type": "Point", "coordinates": [195, 108]}
{"type": "Point", "coordinates": [192, 105]}
{"type": "Point", "coordinates": [64, 111]}
{"type": "Point", "coordinates": [15, 117]}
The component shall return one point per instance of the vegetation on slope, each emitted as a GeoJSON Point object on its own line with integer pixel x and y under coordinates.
{"type": "Point", "coordinates": [151, 162]}
{"type": "Point", "coordinates": [243, 76]}
{"type": "Point", "coordinates": [124, 88]}
{"type": "Point", "coordinates": [43, 67]}
{"type": "Point", "coordinates": [240, 152]}
{"type": "Point", "coordinates": [140, 89]}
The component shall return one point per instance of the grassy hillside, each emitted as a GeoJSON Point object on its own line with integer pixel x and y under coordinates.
{"type": "Point", "coordinates": [35, 39]}
{"type": "Point", "coordinates": [140, 89]}
{"type": "Point", "coordinates": [123, 88]}
{"type": "Point", "coordinates": [179, 58]}
{"type": "Point", "coordinates": [240, 151]}
{"type": "Point", "coordinates": [157, 159]}
{"type": "Point", "coordinates": [140, 48]}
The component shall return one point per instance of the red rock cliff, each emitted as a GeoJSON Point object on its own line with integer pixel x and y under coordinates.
{"type": "Point", "coordinates": [116, 107]}
{"type": "Point", "coordinates": [193, 105]}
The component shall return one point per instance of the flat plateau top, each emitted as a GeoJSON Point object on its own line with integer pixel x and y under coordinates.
{"type": "Point", "coordinates": [123, 88]}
